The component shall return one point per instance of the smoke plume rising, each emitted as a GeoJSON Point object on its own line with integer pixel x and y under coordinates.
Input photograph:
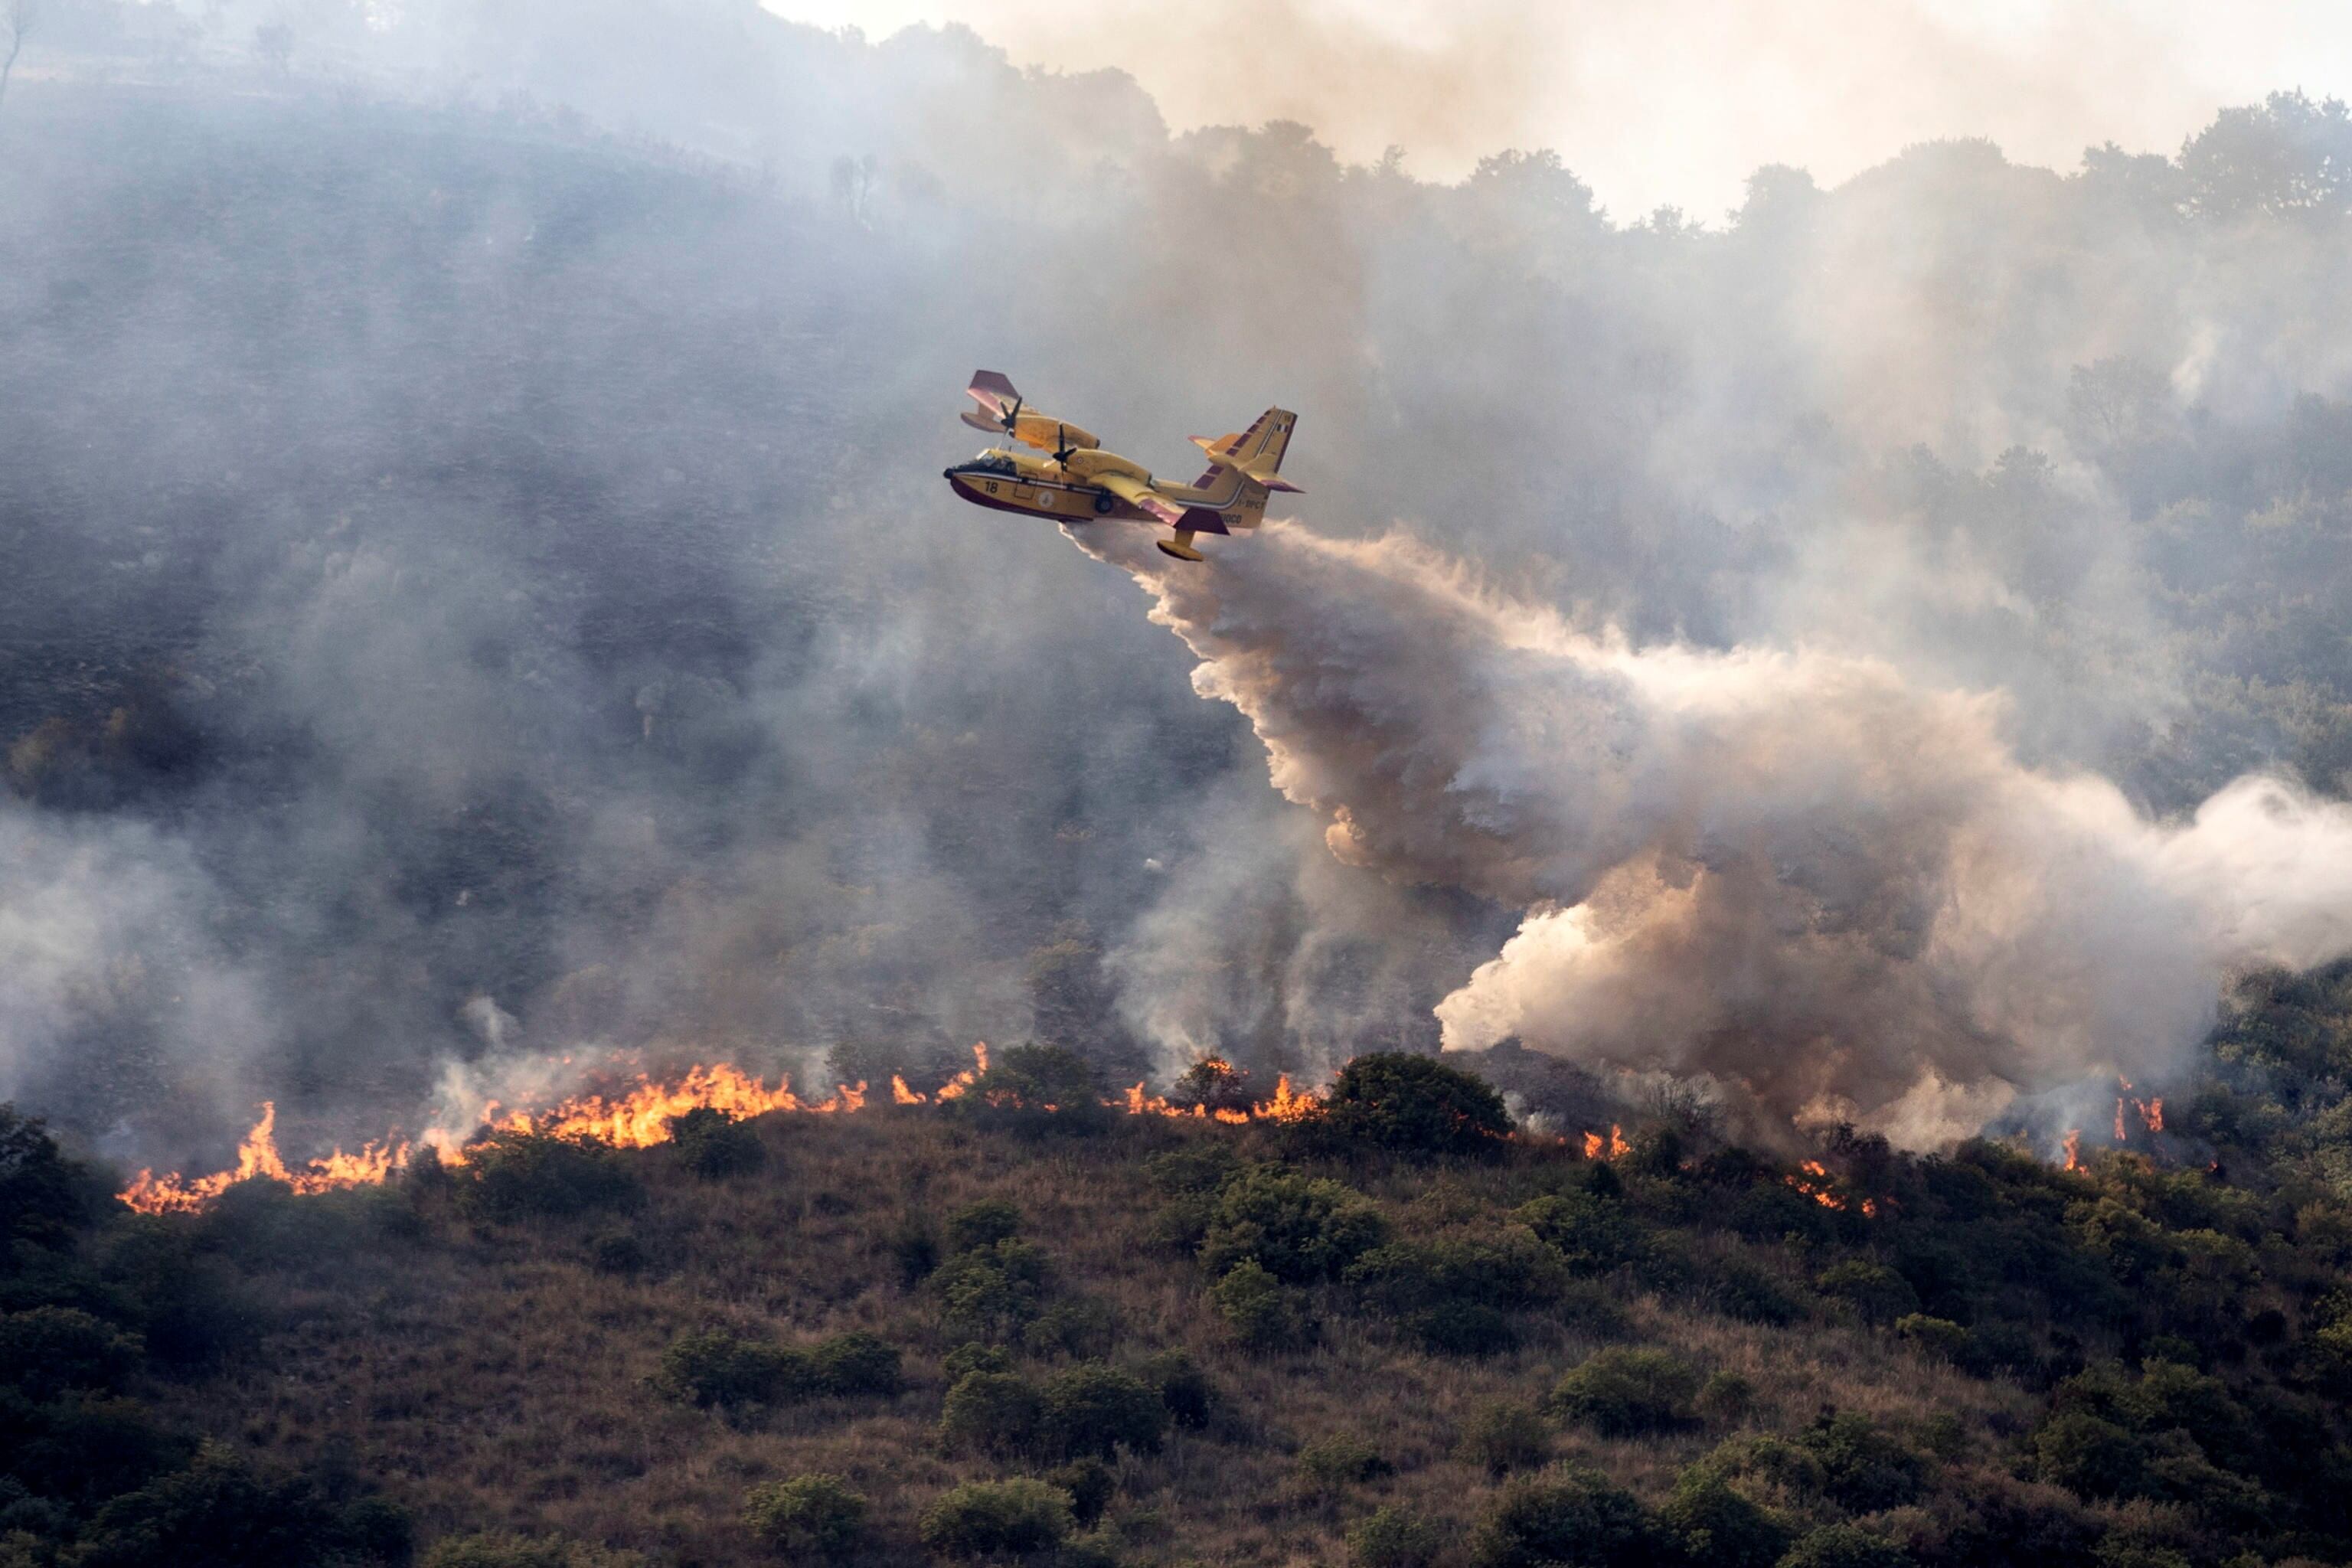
{"type": "Point", "coordinates": [1827, 889]}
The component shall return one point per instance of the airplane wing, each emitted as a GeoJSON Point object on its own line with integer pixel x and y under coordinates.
{"type": "Point", "coordinates": [1136, 493]}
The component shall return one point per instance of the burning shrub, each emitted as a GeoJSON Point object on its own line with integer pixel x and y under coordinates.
{"type": "Point", "coordinates": [1877, 1294]}
{"type": "Point", "coordinates": [517, 1175]}
{"type": "Point", "coordinates": [51, 1349]}
{"type": "Point", "coordinates": [1582, 1517]}
{"type": "Point", "coordinates": [1096, 1409]}
{"type": "Point", "coordinates": [983, 1224]}
{"type": "Point", "coordinates": [1626, 1393]}
{"type": "Point", "coordinates": [1592, 1233]}
{"type": "Point", "coordinates": [1844, 1546]}
{"type": "Point", "coordinates": [988, 1518]}
{"type": "Point", "coordinates": [1863, 1469]}
{"type": "Point", "coordinates": [813, 1518]}
{"type": "Point", "coordinates": [1263, 1312]}
{"type": "Point", "coordinates": [1330, 1465]}
{"type": "Point", "coordinates": [993, 1291]}
{"type": "Point", "coordinates": [1416, 1105]}
{"type": "Point", "coordinates": [994, 1413]}
{"type": "Point", "coordinates": [1391, 1537]}
{"type": "Point", "coordinates": [713, 1145]}
{"type": "Point", "coordinates": [1035, 1090]}
{"type": "Point", "coordinates": [1503, 1435]}
{"type": "Point", "coordinates": [1716, 1526]}
{"type": "Point", "coordinates": [1212, 1084]}
{"type": "Point", "coordinates": [1299, 1228]}
{"type": "Point", "coordinates": [1090, 1485]}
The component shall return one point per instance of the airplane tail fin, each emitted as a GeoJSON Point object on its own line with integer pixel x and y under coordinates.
{"type": "Point", "coordinates": [1257, 452]}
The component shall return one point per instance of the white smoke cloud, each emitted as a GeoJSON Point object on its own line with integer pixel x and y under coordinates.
{"type": "Point", "coordinates": [1794, 872]}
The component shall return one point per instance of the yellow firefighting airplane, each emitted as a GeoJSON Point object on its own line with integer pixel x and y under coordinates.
{"type": "Point", "coordinates": [1077, 481]}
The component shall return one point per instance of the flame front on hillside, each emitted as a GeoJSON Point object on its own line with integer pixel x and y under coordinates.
{"type": "Point", "coordinates": [637, 1120]}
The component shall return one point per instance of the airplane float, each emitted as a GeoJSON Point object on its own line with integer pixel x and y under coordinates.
{"type": "Point", "coordinates": [1076, 481]}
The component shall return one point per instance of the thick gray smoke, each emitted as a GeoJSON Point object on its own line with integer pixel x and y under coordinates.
{"type": "Point", "coordinates": [1796, 873]}
{"type": "Point", "coordinates": [476, 598]}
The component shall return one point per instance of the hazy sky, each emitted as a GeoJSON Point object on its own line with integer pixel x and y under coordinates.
{"type": "Point", "coordinates": [1675, 100]}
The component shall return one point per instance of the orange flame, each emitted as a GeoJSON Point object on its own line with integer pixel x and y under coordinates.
{"type": "Point", "coordinates": [637, 1120]}
{"type": "Point", "coordinates": [1612, 1147]}
{"type": "Point", "coordinates": [2152, 1112]}
{"type": "Point", "coordinates": [2073, 1145]}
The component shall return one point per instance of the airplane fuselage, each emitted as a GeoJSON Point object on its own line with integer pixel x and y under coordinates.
{"type": "Point", "coordinates": [1011, 481]}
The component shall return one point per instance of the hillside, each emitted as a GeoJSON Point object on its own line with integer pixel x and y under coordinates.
{"type": "Point", "coordinates": [1381, 1332]}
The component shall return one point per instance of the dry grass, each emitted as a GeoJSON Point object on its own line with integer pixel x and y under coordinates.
{"type": "Point", "coordinates": [492, 1379]}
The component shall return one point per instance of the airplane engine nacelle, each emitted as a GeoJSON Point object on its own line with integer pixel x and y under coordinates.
{"type": "Point", "coordinates": [1049, 434]}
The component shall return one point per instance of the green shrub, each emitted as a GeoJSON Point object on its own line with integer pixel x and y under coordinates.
{"type": "Point", "coordinates": [221, 1511]}
{"type": "Point", "coordinates": [501, 1551]}
{"type": "Point", "coordinates": [1771, 1462]}
{"type": "Point", "coordinates": [1083, 1328]}
{"type": "Point", "coordinates": [1726, 1397]}
{"type": "Point", "coordinates": [1592, 1235]}
{"type": "Point", "coordinates": [1461, 1328]}
{"type": "Point", "coordinates": [1509, 1269]}
{"type": "Point", "coordinates": [2089, 1457]}
{"type": "Point", "coordinates": [1505, 1435]}
{"type": "Point", "coordinates": [83, 1448]}
{"type": "Point", "coordinates": [853, 1364]}
{"type": "Point", "coordinates": [1622, 1392]}
{"type": "Point", "coordinates": [812, 1518]}
{"type": "Point", "coordinates": [994, 1291]}
{"type": "Point", "coordinates": [1096, 1409]}
{"type": "Point", "coordinates": [1877, 1294]}
{"type": "Point", "coordinates": [1263, 1312]}
{"type": "Point", "coordinates": [1716, 1527]}
{"type": "Point", "coordinates": [1578, 1517]}
{"type": "Point", "coordinates": [1196, 1168]}
{"type": "Point", "coordinates": [1938, 1337]}
{"type": "Point", "coordinates": [713, 1145]}
{"type": "Point", "coordinates": [517, 1175]}
{"type": "Point", "coordinates": [1416, 1105]}
{"type": "Point", "coordinates": [618, 1253]}
{"type": "Point", "coordinates": [1332, 1464]}
{"type": "Point", "coordinates": [982, 1223]}
{"type": "Point", "coordinates": [966, 1359]}
{"type": "Point", "coordinates": [1392, 1537]}
{"type": "Point", "coordinates": [1090, 1484]}
{"type": "Point", "coordinates": [1036, 1091]}
{"type": "Point", "coordinates": [51, 1349]}
{"type": "Point", "coordinates": [1183, 1388]}
{"type": "Point", "coordinates": [1844, 1546]}
{"type": "Point", "coordinates": [1298, 1229]}
{"type": "Point", "coordinates": [1863, 1469]}
{"type": "Point", "coordinates": [713, 1366]}
{"type": "Point", "coordinates": [994, 1412]}
{"type": "Point", "coordinates": [987, 1519]}
{"type": "Point", "coordinates": [42, 1193]}
{"type": "Point", "coordinates": [915, 1249]}
{"type": "Point", "coordinates": [1739, 1288]}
